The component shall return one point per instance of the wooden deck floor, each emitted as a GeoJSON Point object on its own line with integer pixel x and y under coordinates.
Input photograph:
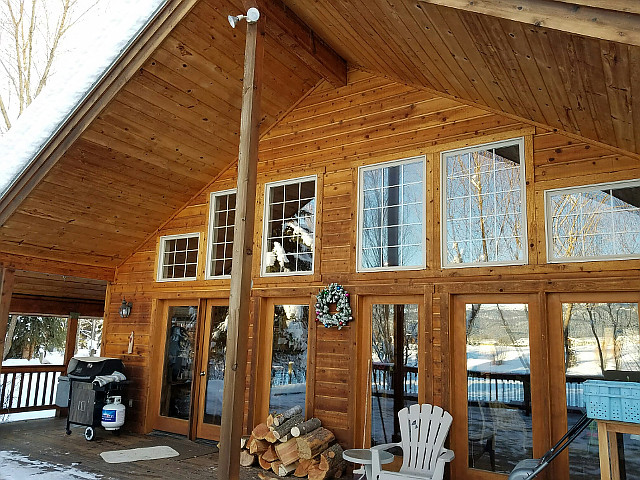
{"type": "Point", "coordinates": [45, 441]}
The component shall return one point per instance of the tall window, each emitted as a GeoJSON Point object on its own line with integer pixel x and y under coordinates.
{"type": "Point", "coordinates": [595, 222]}
{"type": "Point", "coordinates": [483, 205]}
{"type": "Point", "coordinates": [222, 214]}
{"type": "Point", "coordinates": [499, 420]}
{"type": "Point", "coordinates": [288, 385]}
{"type": "Point", "coordinates": [391, 217]}
{"type": "Point", "coordinates": [394, 367]}
{"type": "Point", "coordinates": [178, 257]}
{"type": "Point", "coordinates": [289, 227]}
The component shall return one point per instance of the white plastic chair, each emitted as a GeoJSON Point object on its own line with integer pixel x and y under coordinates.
{"type": "Point", "coordinates": [423, 430]}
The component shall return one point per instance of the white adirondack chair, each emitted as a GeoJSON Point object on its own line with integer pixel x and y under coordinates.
{"type": "Point", "coordinates": [423, 430]}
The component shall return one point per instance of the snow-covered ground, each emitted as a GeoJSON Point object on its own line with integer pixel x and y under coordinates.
{"type": "Point", "coordinates": [14, 466]}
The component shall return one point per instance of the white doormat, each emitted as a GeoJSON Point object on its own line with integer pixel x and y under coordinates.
{"type": "Point", "coordinates": [135, 454]}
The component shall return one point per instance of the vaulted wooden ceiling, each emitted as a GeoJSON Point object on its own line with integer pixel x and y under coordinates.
{"type": "Point", "coordinates": [168, 121]}
{"type": "Point", "coordinates": [165, 134]}
{"type": "Point", "coordinates": [576, 83]}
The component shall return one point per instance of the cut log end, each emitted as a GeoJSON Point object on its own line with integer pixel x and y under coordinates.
{"type": "Point", "coordinates": [315, 442]}
{"type": "Point", "coordinates": [247, 459]}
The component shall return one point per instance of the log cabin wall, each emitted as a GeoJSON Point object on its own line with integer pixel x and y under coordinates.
{"type": "Point", "coordinates": [331, 133]}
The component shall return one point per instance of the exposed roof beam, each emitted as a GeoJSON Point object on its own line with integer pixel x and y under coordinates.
{"type": "Point", "coordinates": [292, 33]}
{"type": "Point", "coordinates": [628, 6]}
{"type": "Point", "coordinates": [57, 267]}
{"type": "Point", "coordinates": [599, 23]}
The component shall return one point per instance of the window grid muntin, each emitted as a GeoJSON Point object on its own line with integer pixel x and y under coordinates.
{"type": "Point", "coordinates": [178, 259]}
{"type": "Point", "coordinates": [497, 237]}
{"type": "Point", "coordinates": [374, 182]}
{"type": "Point", "coordinates": [220, 250]}
{"type": "Point", "coordinates": [299, 195]}
{"type": "Point", "coordinates": [614, 208]}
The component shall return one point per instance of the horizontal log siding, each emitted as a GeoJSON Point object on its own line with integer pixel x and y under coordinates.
{"type": "Point", "coordinates": [333, 131]}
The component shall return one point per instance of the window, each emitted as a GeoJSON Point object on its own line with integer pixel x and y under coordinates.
{"type": "Point", "coordinates": [499, 385]}
{"type": "Point", "coordinates": [178, 257]}
{"type": "Point", "coordinates": [394, 367]}
{"type": "Point", "coordinates": [391, 216]}
{"type": "Point", "coordinates": [289, 227]}
{"type": "Point", "coordinates": [595, 222]}
{"type": "Point", "coordinates": [222, 215]}
{"type": "Point", "coordinates": [288, 386]}
{"type": "Point", "coordinates": [483, 205]}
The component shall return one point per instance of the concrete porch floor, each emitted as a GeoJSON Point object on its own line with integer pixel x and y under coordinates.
{"type": "Point", "coordinates": [72, 457]}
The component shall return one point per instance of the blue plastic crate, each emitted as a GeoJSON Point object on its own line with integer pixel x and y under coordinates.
{"type": "Point", "coordinates": [606, 400]}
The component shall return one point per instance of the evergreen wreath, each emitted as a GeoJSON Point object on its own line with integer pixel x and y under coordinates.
{"type": "Point", "coordinates": [329, 295]}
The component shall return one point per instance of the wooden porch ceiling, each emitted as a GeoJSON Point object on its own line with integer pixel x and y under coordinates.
{"type": "Point", "coordinates": [170, 125]}
{"type": "Point", "coordinates": [582, 85]}
{"type": "Point", "coordinates": [162, 137]}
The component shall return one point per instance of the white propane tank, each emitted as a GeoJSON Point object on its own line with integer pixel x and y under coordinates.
{"type": "Point", "coordinates": [113, 413]}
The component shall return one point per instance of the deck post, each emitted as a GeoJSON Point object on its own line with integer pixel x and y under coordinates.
{"type": "Point", "coordinates": [6, 290]}
{"type": "Point", "coordinates": [240, 289]}
{"type": "Point", "coordinates": [69, 351]}
{"type": "Point", "coordinates": [72, 337]}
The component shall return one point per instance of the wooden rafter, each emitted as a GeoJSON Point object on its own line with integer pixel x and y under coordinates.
{"type": "Point", "coordinates": [606, 23]}
{"type": "Point", "coordinates": [56, 267]}
{"type": "Point", "coordinates": [292, 33]}
{"type": "Point", "coordinates": [628, 6]}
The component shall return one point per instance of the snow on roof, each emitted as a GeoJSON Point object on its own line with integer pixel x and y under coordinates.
{"type": "Point", "coordinates": [99, 49]}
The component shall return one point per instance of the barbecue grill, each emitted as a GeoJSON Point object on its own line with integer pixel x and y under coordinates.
{"type": "Point", "coordinates": [89, 387]}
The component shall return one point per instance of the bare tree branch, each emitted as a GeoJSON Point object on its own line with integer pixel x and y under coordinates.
{"type": "Point", "coordinates": [33, 34]}
{"type": "Point", "coordinates": [5, 114]}
{"type": "Point", "coordinates": [59, 32]}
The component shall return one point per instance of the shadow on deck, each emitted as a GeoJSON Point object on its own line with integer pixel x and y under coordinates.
{"type": "Point", "coordinates": [41, 449]}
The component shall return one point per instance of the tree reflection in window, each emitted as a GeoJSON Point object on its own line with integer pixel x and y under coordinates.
{"type": "Point", "coordinates": [392, 215]}
{"type": "Point", "coordinates": [594, 222]}
{"type": "Point", "coordinates": [483, 205]}
{"type": "Point", "coordinates": [289, 357]}
{"type": "Point", "coordinates": [290, 227]}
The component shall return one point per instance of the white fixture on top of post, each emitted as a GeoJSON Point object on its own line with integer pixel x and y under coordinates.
{"type": "Point", "coordinates": [252, 16]}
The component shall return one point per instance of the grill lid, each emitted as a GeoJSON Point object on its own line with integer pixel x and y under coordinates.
{"type": "Point", "coordinates": [87, 368]}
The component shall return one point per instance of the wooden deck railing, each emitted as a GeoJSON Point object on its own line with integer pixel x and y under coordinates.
{"type": "Point", "coordinates": [28, 388]}
{"type": "Point", "coordinates": [382, 380]}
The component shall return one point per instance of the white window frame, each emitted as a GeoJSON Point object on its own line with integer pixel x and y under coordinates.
{"type": "Point", "coordinates": [361, 170]}
{"type": "Point", "coordinates": [212, 224]}
{"type": "Point", "coordinates": [266, 219]}
{"type": "Point", "coordinates": [548, 221]}
{"type": "Point", "coordinates": [443, 212]}
{"type": "Point", "coordinates": [161, 252]}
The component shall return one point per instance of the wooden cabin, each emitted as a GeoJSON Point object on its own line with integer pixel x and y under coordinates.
{"type": "Point", "coordinates": [470, 177]}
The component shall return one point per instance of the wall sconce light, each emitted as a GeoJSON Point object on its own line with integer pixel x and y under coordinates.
{"type": "Point", "coordinates": [252, 16]}
{"type": "Point", "coordinates": [125, 309]}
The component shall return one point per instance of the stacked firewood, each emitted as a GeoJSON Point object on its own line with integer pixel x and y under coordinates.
{"type": "Point", "coordinates": [286, 444]}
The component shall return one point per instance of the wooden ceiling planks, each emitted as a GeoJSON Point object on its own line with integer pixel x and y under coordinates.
{"type": "Point", "coordinates": [165, 135]}
{"type": "Point", "coordinates": [567, 81]}
{"type": "Point", "coordinates": [58, 286]}
{"type": "Point", "coordinates": [174, 125]}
